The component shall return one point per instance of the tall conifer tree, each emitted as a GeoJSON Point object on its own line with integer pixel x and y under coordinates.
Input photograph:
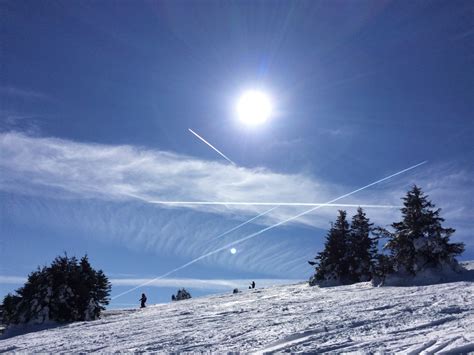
{"type": "Point", "coordinates": [419, 241]}
{"type": "Point", "coordinates": [362, 249]}
{"type": "Point", "coordinates": [331, 264]}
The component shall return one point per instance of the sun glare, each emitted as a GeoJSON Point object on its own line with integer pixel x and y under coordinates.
{"type": "Point", "coordinates": [254, 107]}
{"type": "Point", "coordinates": [233, 251]}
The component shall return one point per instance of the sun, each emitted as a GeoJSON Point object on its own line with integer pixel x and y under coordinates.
{"type": "Point", "coordinates": [254, 107]}
{"type": "Point", "coordinates": [233, 251]}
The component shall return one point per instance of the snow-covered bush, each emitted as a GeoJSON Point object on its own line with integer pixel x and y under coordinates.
{"type": "Point", "coordinates": [68, 290]}
{"type": "Point", "coordinates": [181, 295]}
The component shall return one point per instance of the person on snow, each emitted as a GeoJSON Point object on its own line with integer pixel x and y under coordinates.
{"type": "Point", "coordinates": [252, 285]}
{"type": "Point", "coordinates": [142, 301]}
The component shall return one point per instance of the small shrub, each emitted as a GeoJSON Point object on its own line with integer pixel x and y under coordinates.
{"type": "Point", "coordinates": [181, 295]}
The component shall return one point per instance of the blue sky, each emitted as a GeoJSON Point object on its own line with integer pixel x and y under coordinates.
{"type": "Point", "coordinates": [97, 98]}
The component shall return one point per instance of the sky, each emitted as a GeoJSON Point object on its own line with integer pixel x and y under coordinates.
{"type": "Point", "coordinates": [97, 99]}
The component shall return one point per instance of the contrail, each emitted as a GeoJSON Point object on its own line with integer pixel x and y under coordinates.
{"type": "Point", "coordinates": [253, 235]}
{"type": "Point", "coordinates": [268, 204]}
{"type": "Point", "coordinates": [244, 223]}
{"type": "Point", "coordinates": [210, 145]}
{"type": "Point", "coordinates": [219, 236]}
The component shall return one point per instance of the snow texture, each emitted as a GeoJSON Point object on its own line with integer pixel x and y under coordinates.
{"type": "Point", "coordinates": [290, 318]}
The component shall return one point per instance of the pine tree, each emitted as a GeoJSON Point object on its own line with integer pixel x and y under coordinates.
{"type": "Point", "coordinates": [63, 292]}
{"type": "Point", "coordinates": [93, 291]}
{"type": "Point", "coordinates": [419, 241]}
{"type": "Point", "coordinates": [100, 295]}
{"type": "Point", "coordinates": [362, 249]}
{"type": "Point", "coordinates": [63, 305]}
{"type": "Point", "coordinates": [331, 264]}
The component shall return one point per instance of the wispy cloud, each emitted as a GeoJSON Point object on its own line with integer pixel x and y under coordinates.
{"type": "Point", "coordinates": [11, 120]}
{"type": "Point", "coordinates": [203, 284]}
{"type": "Point", "coordinates": [102, 190]}
{"type": "Point", "coordinates": [55, 167]}
{"type": "Point", "coordinates": [27, 94]}
{"type": "Point", "coordinates": [61, 168]}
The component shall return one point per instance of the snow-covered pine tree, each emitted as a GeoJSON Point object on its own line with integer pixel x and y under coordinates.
{"type": "Point", "coordinates": [63, 292]}
{"type": "Point", "coordinates": [10, 306]}
{"type": "Point", "coordinates": [362, 249]}
{"type": "Point", "coordinates": [31, 304]}
{"type": "Point", "coordinates": [93, 290]}
{"type": "Point", "coordinates": [63, 305]}
{"type": "Point", "coordinates": [419, 241]}
{"type": "Point", "coordinates": [331, 264]}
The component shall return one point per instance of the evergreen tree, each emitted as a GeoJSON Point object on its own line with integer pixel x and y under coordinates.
{"type": "Point", "coordinates": [94, 287]}
{"type": "Point", "coordinates": [66, 291]}
{"type": "Point", "coordinates": [419, 241]}
{"type": "Point", "coordinates": [62, 274]}
{"type": "Point", "coordinates": [362, 249]}
{"type": "Point", "coordinates": [181, 295]}
{"type": "Point", "coordinates": [331, 264]}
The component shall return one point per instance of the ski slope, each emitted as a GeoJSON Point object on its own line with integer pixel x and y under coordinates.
{"type": "Point", "coordinates": [289, 318]}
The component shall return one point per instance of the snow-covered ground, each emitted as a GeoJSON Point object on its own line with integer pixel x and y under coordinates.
{"type": "Point", "coordinates": [436, 318]}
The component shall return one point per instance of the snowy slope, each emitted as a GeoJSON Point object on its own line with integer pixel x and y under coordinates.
{"type": "Point", "coordinates": [436, 318]}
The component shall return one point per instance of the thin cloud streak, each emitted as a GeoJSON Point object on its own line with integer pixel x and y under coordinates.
{"type": "Point", "coordinates": [12, 280]}
{"type": "Point", "coordinates": [203, 284]}
{"type": "Point", "coordinates": [28, 94]}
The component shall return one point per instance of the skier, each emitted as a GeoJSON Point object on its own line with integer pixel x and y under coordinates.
{"type": "Point", "coordinates": [253, 284]}
{"type": "Point", "coordinates": [142, 300]}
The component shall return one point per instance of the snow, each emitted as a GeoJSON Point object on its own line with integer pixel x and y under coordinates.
{"type": "Point", "coordinates": [290, 318]}
{"type": "Point", "coordinates": [426, 276]}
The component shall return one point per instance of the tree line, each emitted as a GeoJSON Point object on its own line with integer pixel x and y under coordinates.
{"type": "Point", "coordinates": [415, 244]}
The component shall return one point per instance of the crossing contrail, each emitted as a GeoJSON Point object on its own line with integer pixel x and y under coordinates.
{"type": "Point", "coordinates": [253, 235]}
{"type": "Point", "coordinates": [210, 145]}
{"type": "Point", "coordinates": [230, 203]}
{"type": "Point", "coordinates": [244, 223]}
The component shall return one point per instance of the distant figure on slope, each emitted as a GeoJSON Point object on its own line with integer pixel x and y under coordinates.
{"type": "Point", "coordinates": [253, 284]}
{"type": "Point", "coordinates": [142, 301]}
